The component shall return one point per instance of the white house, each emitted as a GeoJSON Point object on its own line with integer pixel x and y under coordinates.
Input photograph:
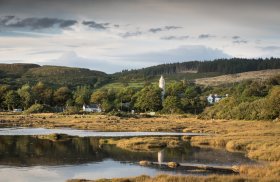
{"type": "Point", "coordinates": [17, 110]}
{"type": "Point", "coordinates": [215, 98]}
{"type": "Point", "coordinates": [210, 99]}
{"type": "Point", "coordinates": [92, 108]}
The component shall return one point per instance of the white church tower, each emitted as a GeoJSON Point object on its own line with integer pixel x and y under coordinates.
{"type": "Point", "coordinates": [162, 86]}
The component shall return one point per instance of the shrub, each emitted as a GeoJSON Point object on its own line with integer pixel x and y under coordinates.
{"type": "Point", "coordinates": [38, 108]}
{"type": "Point", "coordinates": [72, 110]}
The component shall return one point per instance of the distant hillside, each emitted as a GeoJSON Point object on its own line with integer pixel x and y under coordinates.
{"type": "Point", "coordinates": [18, 74]}
{"type": "Point", "coordinates": [233, 78]}
{"type": "Point", "coordinates": [15, 70]}
{"type": "Point", "coordinates": [196, 69]}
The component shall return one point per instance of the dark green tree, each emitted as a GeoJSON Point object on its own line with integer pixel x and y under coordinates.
{"type": "Point", "coordinates": [3, 91]}
{"type": "Point", "coordinates": [26, 96]}
{"type": "Point", "coordinates": [149, 99]}
{"type": "Point", "coordinates": [12, 99]}
{"type": "Point", "coordinates": [172, 105]}
{"type": "Point", "coordinates": [42, 93]}
{"type": "Point", "coordinates": [192, 91]}
{"type": "Point", "coordinates": [175, 89]}
{"type": "Point", "coordinates": [82, 95]}
{"type": "Point", "coordinates": [61, 96]}
{"type": "Point", "coordinates": [98, 96]}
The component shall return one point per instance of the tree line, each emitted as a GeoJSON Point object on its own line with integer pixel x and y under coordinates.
{"type": "Point", "coordinates": [222, 66]}
{"type": "Point", "coordinates": [259, 99]}
{"type": "Point", "coordinates": [18, 74]}
{"type": "Point", "coordinates": [179, 98]}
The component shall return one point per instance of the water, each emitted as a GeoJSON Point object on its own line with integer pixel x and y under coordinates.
{"type": "Point", "coordinates": [95, 170]}
{"type": "Point", "coordinates": [30, 158]}
{"type": "Point", "coordinates": [85, 133]}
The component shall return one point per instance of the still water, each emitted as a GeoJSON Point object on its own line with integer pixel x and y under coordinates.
{"type": "Point", "coordinates": [86, 133]}
{"type": "Point", "coordinates": [31, 158]}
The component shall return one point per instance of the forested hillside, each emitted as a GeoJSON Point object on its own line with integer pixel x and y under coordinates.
{"type": "Point", "coordinates": [250, 100]}
{"type": "Point", "coordinates": [15, 70]}
{"type": "Point", "coordinates": [16, 75]}
{"type": "Point", "coordinates": [197, 68]}
{"type": "Point", "coordinates": [51, 88]}
{"type": "Point", "coordinates": [19, 74]}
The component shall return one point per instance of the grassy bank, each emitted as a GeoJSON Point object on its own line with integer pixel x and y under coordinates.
{"type": "Point", "coordinates": [95, 122]}
{"type": "Point", "coordinates": [144, 143]}
{"type": "Point", "coordinates": [269, 173]}
{"type": "Point", "coordinates": [166, 178]}
{"type": "Point", "coordinates": [259, 139]}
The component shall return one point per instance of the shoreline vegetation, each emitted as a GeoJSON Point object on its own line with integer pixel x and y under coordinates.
{"type": "Point", "coordinates": [170, 178]}
{"type": "Point", "coordinates": [258, 139]}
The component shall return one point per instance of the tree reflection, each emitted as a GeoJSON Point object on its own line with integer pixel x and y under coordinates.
{"type": "Point", "coordinates": [70, 150]}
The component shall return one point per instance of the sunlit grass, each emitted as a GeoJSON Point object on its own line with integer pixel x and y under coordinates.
{"type": "Point", "coordinates": [178, 178]}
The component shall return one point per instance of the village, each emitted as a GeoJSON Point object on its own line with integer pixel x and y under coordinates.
{"type": "Point", "coordinates": [211, 99]}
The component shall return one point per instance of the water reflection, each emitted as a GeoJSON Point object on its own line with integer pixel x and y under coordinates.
{"type": "Point", "coordinates": [160, 156]}
{"type": "Point", "coordinates": [86, 133]}
{"type": "Point", "coordinates": [35, 158]}
{"type": "Point", "coordinates": [94, 170]}
{"type": "Point", "coordinates": [69, 150]}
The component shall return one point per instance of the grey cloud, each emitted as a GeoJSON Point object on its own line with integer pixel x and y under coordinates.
{"type": "Point", "coordinates": [205, 36]}
{"type": "Point", "coordinates": [35, 23]}
{"type": "Point", "coordinates": [240, 42]}
{"type": "Point", "coordinates": [5, 19]}
{"type": "Point", "coordinates": [74, 60]}
{"type": "Point", "coordinates": [172, 27]}
{"type": "Point", "coordinates": [44, 52]}
{"type": "Point", "coordinates": [175, 38]}
{"type": "Point", "coordinates": [165, 28]}
{"type": "Point", "coordinates": [271, 48]}
{"type": "Point", "coordinates": [155, 30]}
{"type": "Point", "coordinates": [235, 37]}
{"type": "Point", "coordinates": [131, 34]}
{"type": "Point", "coordinates": [67, 23]}
{"type": "Point", "coordinates": [183, 53]}
{"type": "Point", "coordinates": [241, 12]}
{"type": "Point", "coordinates": [98, 26]}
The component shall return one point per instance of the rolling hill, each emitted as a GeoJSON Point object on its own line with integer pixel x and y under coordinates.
{"type": "Point", "coordinates": [234, 78]}
{"type": "Point", "coordinates": [198, 69]}
{"type": "Point", "coordinates": [201, 71]}
{"type": "Point", "coordinates": [18, 74]}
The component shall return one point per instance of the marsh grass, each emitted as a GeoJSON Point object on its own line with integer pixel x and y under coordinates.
{"type": "Point", "coordinates": [259, 139]}
{"type": "Point", "coordinates": [144, 143]}
{"type": "Point", "coordinates": [169, 178]}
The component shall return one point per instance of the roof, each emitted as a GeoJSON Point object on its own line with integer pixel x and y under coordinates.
{"type": "Point", "coordinates": [91, 106]}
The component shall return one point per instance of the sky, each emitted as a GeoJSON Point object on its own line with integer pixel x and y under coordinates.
{"type": "Point", "coordinates": [113, 35]}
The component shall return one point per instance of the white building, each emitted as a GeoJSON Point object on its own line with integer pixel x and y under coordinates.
{"type": "Point", "coordinates": [211, 99]}
{"type": "Point", "coordinates": [162, 86]}
{"type": "Point", "coordinates": [91, 108]}
{"type": "Point", "coordinates": [17, 110]}
{"type": "Point", "coordinates": [160, 157]}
